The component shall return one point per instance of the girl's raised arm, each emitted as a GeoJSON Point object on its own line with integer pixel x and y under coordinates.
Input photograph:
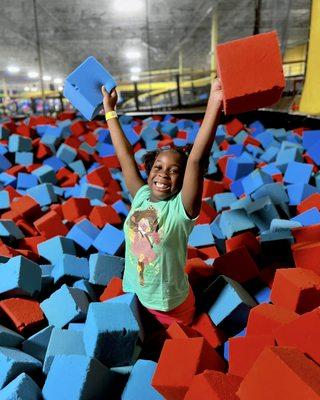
{"type": "Point", "coordinates": [122, 146]}
{"type": "Point", "coordinates": [193, 178]}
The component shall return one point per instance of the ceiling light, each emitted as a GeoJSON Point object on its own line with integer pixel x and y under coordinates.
{"type": "Point", "coordinates": [33, 74]}
{"type": "Point", "coordinates": [133, 54]}
{"type": "Point", "coordinates": [128, 6]}
{"type": "Point", "coordinates": [60, 88]}
{"type": "Point", "coordinates": [134, 78]}
{"type": "Point", "coordinates": [135, 70]}
{"type": "Point", "coordinates": [57, 81]}
{"type": "Point", "coordinates": [26, 89]}
{"type": "Point", "coordinates": [13, 69]}
{"type": "Point", "coordinates": [46, 78]}
{"type": "Point", "coordinates": [34, 89]}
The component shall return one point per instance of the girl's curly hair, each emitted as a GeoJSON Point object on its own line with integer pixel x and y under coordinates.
{"type": "Point", "coordinates": [150, 157]}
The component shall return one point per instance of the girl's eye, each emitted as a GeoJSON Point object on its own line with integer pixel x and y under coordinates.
{"type": "Point", "coordinates": [174, 171]}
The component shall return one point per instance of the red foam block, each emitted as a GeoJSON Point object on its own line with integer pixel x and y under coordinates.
{"type": "Point", "coordinates": [256, 63]}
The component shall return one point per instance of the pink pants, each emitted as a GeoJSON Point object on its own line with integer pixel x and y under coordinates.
{"type": "Point", "coordinates": [183, 313]}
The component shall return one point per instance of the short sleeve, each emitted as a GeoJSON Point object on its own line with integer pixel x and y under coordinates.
{"type": "Point", "coordinates": [181, 210]}
{"type": "Point", "coordinates": [142, 194]}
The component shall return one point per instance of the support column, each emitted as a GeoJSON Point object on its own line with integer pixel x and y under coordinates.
{"type": "Point", "coordinates": [310, 99]}
{"type": "Point", "coordinates": [214, 40]}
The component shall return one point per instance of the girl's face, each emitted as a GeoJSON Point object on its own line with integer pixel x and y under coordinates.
{"type": "Point", "coordinates": [166, 175]}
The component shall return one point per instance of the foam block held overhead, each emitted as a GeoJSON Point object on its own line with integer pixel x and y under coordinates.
{"type": "Point", "coordinates": [83, 87]}
{"type": "Point", "coordinates": [256, 62]}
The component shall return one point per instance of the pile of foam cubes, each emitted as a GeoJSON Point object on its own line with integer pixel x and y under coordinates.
{"type": "Point", "coordinates": [67, 330]}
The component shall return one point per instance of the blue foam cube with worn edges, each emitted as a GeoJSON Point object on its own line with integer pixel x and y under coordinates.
{"type": "Point", "coordinates": [70, 266]}
{"type": "Point", "coordinates": [22, 387]}
{"type": "Point", "coordinates": [201, 236]}
{"type": "Point", "coordinates": [223, 200]}
{"type": "Point", "coordinates": [83, 87]}
{"type": "Point", "coordinates": [20, 276]}
{"type": "Point", "coordinates": [309, 217]}
{"type": "Point", "coordinates": [63, 342]}
{"type": "Point", "coordinates": [231, 306]}
{"type": "Point", "coordinates": [65, 305]}
{"type": "Point", "coordinates": [262, 212]}
{"type": "Point", "coordinates": [297, 172]}
{"type": "Point", "coordinates": [83, 233]}
{"type": "Point", "coordinates": [234, 221]}
{"type": "Point", "coordinates": [139, 382]}
{"type": "Point", "coordinates": [9, 338]}
{"type": "Point", "coordinates": [78, 377]}
{"type": "Point", "coordinates": [109, 240]}
{"type": "Point", "coordinates": [13, 362]}
{"type": "Point", "coordinates": [255, 180]}
{"type": "Point", "coordinates": [110, 333]}
{"type": "Point", "coordinates": [54, 248]}
{"type": "Point", "coordinates": [103, 267]}
{"type": "Point", "coordinates": [36, 345]}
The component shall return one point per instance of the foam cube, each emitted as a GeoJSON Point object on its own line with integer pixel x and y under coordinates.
{"type": "Point", "coordinates": [4, 200]}
{"type": "Point", "coordinates": [65, 305]}
{"type": "Point", "coordinates": [184, 358]}
{"type": "Point", "coordinates": [85, 286]}
{"type": "Point", "coordinates": [83, 87]}
{"type": "Point", "coordinates": [228, 304]}
{"type": "Point", "coordinates": [262, 212]}
{"type": "Point", "coordinates": [19, 143]}
{"type": "Point", "coordinates": [22, 387]}
{"type": "Point", "coordinates": [110, 333]}
{"type": "Point", "coordinates": [281, 372]}
{"type": "Point", "coordinates": [36, 345]}
{"type": "Point", "coordinates": [113, 289]}
{"type": "Point", "coordinates": [203, 325]}
{"type": "Point", "coordinates": [109, 240]}
{"type": "Point", "coordinates": [26, 181]}
{"type": "Point", "coordinates": [66, 153]}
{"type": "Point", "coordinates": [20, 276]}
{"type": "Point", "coordinates": [266, 81]}
{"type": "Point", "coordinates": [9, 229]}
{"type": "Point", "coordinates": [83, 233]}
{"type": "Point", "coordinates": [309, 217]}
{"type": "Point", "coordinates": [70, 266]}
{"type": "Point", "coordinates": [13, 363]}
{"type": "Point", "coordinates": [45, 174]}
{"type": "Point", "coordinates": [63, 342]}
{"type": "Point", "coordinates": [255, 180]}
{"type": "Point", "coordinates": [43, 194]}
{"type": "Point", "coordinates": [53, 249]}
{"type": "Point", "coordinates": [297, 172]}
{"type": "Point", "coordinates": [76, 377]}
{"type": "Point", "coordinates": [139, 382]}
{"type": "Point", "coordinates": [201, 236]}
{"type": "Point", "coordinates": [298, 192]}
{"type": "Point", "coordinates": [296, 289]}
{"type": "Point", "coordinates": [9, 338]}
{"type": "Point", "coordinates": [104, 267]}
{"type": "Point", "coordinates": [234, 221]}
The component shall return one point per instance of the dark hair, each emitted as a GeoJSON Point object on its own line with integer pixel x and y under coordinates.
{"type": "Point", "coordinates": [150, 157]}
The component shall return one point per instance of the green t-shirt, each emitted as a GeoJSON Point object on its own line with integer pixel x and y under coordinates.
{"type": "Point", "coordinates": [156, 236]}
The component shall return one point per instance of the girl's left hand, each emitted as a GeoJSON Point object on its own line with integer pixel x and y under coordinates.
{"type": "Point", "coordinates": [216, 95]}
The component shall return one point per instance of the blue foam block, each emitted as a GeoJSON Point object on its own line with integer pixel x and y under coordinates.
{"type": "Point", "coordinates": [262, 212]}
{"type": "Point", "coordinates": [232, 304]}
{"type": "Point", "coordinates": [309, 138]}
{"type": "Point", "coordinates": [19, 143]}
{"type": "Point", "coordinates": [298, 192]}
{"type": "Point", "coordinates": [254, 180]}
{"type": "Point", "coordinates": [269, 155]}
{"type": "Point", "coordinates": [77, 377]}
{"type": "Point", "coordinates": [65, 305]}
{"type": "Point", "coordinates": [9, 338]}
{"type": "Point", "coordinates": [26, 181]}
{"type": "Point", "coordinates": [54, 248]}
{"type": "Point", "coordinates": [237, 168]}
{"type": "Point", "coordinates": [201, 235]}
{"type": "Point", "coordinates": [78, 327]}
{"type": "Point", "coordinates": [13, 362]}
{"type": "Point", "coordinates": [309, 217]}
{"type": "Point", "coordinates": [223, 200]}
{"type": "Point", "coordinates": [297, 172]}
{"type": "Point", "coordinates": [43, 194]}
{"type": "Point", "coordinates": [83, 87]}
{"type": "Point", "coordinates": [169, 128]}
{"type": "Point", "coordinates": [120, 207]}
{"type": "Point", "coordinates": [72, 266]}
{"type": "Point", "coordinates": [21, 388]}
{"type": "Point", "coordinates": [66, 153]}
{"type": "Point", "coordinates": [283, 224]}
{"type": "Point", "coordinates": [8, 228]}
{"type": "Point", "coordinates": [109, 240]}
{"type": "Point", "coordinates": [36, 345]}
{"type": "Point", "coordinates": [85, 285]}
{"type": "Point", "coordinates": [256, 128]}
{"type": "Point", "coordinates": [234, 221]}
{"type": "Point", "coordinates": [130, 134]}
{"type": "Point", "coordinates": [45, 174]}
{"type": "Point", "coordinates": [148, 133]}
{"type": "Point", "coordinates": [276, 192]}
{"type": "Point", "coordinates": [4, 133]}
{"type": "Point", "coordinates": [20, 276]}
{"type": "Point", "coordinates": [78, 167]}
{"type": "Point", "coordinates": [111, 332]}
{"type": "Point", "coordinates": [54, 162]}
{"type": "Point", "coordinates": [139, 382]}
{"type": "Point", "coordinates": [237, 188]}
{"type": "Point", "coordinates": [63, 342]}
{"type": "Point", "coordinates": [24, 158]}
{"type": "Point", "coordinates": [83, 233]}
{"type": "Point", "coordinates": [5, 164]}
{"type": "Point", "coordinates": [92, 191]}
{"type": "Point", "coordinates": [104, 267]}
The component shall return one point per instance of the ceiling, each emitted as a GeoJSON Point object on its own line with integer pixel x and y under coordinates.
{"type": "Point", "coordinates": [71, 30]}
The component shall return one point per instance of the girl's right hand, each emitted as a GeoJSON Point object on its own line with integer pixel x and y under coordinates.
{"type": "Point", "coordinates": [109, 99]}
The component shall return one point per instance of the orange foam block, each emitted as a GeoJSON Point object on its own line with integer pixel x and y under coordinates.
{"type": "Point", "coordinates": [256, 63]}
{"type": "Point", "coordinates": [307, 255]}
{"type": "Point", "coordinates": [302, 333]}
{"type": "Point", "coordinates": [180, 331]}
{"type": "Point", "coordinates": [310, 202]}
{"type": "Point", "coordinates": [26, 207]}
{"type": "Point", "coordinates": [102, 215]}
{"type": "Point", "coordinates": [100, 176]}
{"type": "Point", "coordinates": [296, 289]}
{"type": "Point", "coordinates": [180, 360]}
{"type": "Point", "coordinates": [246, 239]}
{"type": "Point", "coordinates": [244, 350]}
{"type": "Point", "coordinates": [113, 289]}
{"type": "Point", "coordinates": [213, 385]}
{"type": "Point", "coordinates": [25, 314]}
{"type": "Point", "coordinates": [207, 329]}
{"type": "Point", "coordinates": [281, 373]}
{"type": "Point", "coordinates": [51, 225]}
{"type": "Point", "coordinates": [198, 272]}
{"type": "Point", "coordinates": [265, 318]}
{"type": "Point", "coordinates": [74, 208]}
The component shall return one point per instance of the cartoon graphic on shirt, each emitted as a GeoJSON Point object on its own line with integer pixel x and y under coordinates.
{"type": "Point", "coordinates": [144, 234]}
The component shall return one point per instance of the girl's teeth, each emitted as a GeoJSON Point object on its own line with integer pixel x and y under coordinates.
{"type": "Point", "coordinates": [161, 185]}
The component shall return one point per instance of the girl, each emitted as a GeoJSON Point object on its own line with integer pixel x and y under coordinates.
{"type": "Point", "coordinates": [162, 214]}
